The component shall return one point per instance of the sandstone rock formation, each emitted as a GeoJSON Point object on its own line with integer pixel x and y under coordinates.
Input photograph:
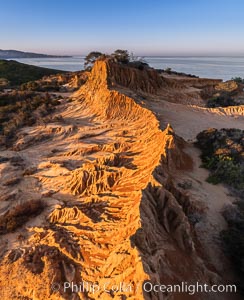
{"type": "Point", "coordinates": [106, 209]}
{"type": "Point", "coordinates": [228, 86]}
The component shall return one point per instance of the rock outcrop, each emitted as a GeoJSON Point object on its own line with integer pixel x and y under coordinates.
{"type": "Point", "coordinates": [111, 212]}
{"type": "Point", "coordinates": [228, 86]}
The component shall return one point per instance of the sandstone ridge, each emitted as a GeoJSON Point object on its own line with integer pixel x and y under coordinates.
{"type": "Point", "coordinates": [108, 210]}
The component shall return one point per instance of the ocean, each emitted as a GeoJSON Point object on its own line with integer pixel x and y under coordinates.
{"type": "Point", "coordinates": [209, 67]}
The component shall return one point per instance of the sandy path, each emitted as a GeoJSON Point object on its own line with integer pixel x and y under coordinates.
{"type": "Point", "coordinates": [188, 121]}
{"type": "Point", "coordinates": [214, 197]}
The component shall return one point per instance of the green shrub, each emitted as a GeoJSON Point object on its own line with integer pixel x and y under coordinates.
{"type": "Point", "coordinates": [19, 109]}
{"type": "Point", "coordinates": [213, 179]}
{"type": "Point", "coordinates": [238, 79]}
{"type": "Point", "coordinates": [220, 101]}
{"type": "Point", "coordinates": [121, 56]}
{"type": "Point", "coordinates": [222, 154]}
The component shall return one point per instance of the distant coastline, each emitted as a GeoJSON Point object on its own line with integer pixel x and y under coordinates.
{"type": "Point", "coordinates": [12, 54]}
{"type": "Point", "coordinates": [222, 67]}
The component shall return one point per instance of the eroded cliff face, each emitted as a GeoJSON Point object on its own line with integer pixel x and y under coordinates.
{"type": "Point", "coordinates": [145, 80]}
{"type": "Point", "coordinates": [110, 212]}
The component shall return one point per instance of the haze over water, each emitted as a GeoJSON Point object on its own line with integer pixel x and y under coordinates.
{"type": "Point", "coordinates": [222, 67]}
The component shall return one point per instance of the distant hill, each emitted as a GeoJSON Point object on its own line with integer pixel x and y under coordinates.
{"type": "Point", "coordinates": [17, 73]}
{"type": "Point", "coordinates": [6, 54]}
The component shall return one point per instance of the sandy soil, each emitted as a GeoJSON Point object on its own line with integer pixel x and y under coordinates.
{"type": "Point", "coordinates": [188, 121]}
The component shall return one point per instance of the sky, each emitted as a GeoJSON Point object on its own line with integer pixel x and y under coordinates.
{"type": "Point", "coordinates": [144, 27]}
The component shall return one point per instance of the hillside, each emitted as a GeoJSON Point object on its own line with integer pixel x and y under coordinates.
{"type": "Point", "coordinates": [105, 191]}
{"type": "Point", "coordinates": [17, 73]}
{"type": "Point", "coordinates": [7, 54]}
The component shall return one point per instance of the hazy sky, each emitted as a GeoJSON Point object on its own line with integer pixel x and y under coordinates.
{"type": "Point", "coordinates": [156, 27]}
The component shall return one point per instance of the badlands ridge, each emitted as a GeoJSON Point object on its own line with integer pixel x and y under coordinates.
{"type": "Point", "coordinates": [102, 188]}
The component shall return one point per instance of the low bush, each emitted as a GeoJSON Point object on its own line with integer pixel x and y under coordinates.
{"type": "Point", "coordinates": [19, 109]}
{"type": "Point", "coordinates": [222, 154]}
{"type": "Point", "coordinates": [238, 79]}
{"type": "Point", "coordinates": [40, 86]}
{"type": "Point", "coordinates": [225, 169]}
{"type": "Point", "coordinates": [220, 101]}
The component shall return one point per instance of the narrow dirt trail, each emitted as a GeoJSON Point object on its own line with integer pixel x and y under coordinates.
{"type": "Point", "coordinates": [214, 198]}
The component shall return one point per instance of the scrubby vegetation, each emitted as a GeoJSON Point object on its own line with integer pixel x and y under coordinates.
{"type": "Point", "coordinates": [238, 79]}
{"type": "Point", "coordinates": [19, 215]}
{"type": "Point", "coordinates": [119, 56]}
{"type": "Point", "coordinates": [19, 109]}
{"type": "Point", "coordinates": [221, 101]}
{"type": "Point", "coordinates": [222, 154]}
{"type": "Point", "coordinates": [57, 83]}
{"type": "Point", "coordinates": [40, 86]}
{"type": "Point", "coordinates": [17, 73]}
{"type": "Point", "coordinates": [172, 72]}
{"type": "Point", "coordinates": [91, 58]}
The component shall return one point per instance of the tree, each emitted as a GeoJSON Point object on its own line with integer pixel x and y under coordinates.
{"type": "Point", "coordinates": [121, 56]}
{"type": "Point", "coordinates": [91, 58]}
{"type": "Point", "coordinates": [238, 79]}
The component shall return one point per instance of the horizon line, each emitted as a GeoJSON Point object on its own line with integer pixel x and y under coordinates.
{"type": "Point", "coordinates": [133, 52]}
